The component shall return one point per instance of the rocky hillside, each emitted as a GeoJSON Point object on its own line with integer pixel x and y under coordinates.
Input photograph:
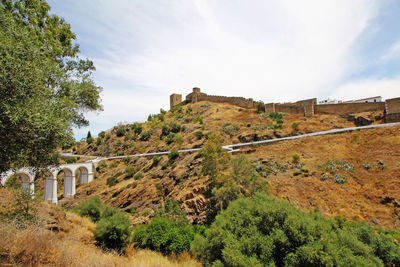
{"type": "Point", "coordinates": [354, 175]}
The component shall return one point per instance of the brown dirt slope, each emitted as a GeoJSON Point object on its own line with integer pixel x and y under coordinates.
{"type": "Point", "coordinates": [369, 192]}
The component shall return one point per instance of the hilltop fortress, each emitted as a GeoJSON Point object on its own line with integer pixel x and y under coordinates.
{"type": "Point", "coordinates": [308, 107]}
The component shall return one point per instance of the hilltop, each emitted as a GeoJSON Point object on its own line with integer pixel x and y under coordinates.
{"type": "Point", "coordinates": [352, 174]}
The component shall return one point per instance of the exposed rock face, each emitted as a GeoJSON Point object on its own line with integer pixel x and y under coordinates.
{"type": "Point", "coordinates": [362, 121]}
{"type": "Point", "coordinates": [253, 138]}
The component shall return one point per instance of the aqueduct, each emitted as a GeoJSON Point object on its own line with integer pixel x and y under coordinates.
{"type": "Point", "coordinates": [27, 176]}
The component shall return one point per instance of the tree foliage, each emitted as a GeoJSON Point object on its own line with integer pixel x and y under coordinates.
{"type": "Point", "coordinates": [264, 231]}
{"type": "Point", "coordinates": [45, 87]}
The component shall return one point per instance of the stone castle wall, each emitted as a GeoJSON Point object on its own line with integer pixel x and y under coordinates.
{"type": "Point", "coordinates": [393, 105]}
{"type": "Point", "coordinates": [175, 99]}
{"type": "Point", "coordinates": [197, 96]}
{"type": "Point", "coordinates": [349, 108]}
{"type": "Point", "coordinates": [306, 107]}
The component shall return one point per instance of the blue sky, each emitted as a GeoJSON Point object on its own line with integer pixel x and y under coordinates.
{"type": "Point", "coordinates": [270, 50]}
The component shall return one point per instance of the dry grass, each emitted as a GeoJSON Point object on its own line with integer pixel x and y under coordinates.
{"type": "Point", "coordinates": [70, 244]}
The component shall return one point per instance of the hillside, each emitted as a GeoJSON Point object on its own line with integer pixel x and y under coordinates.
{"type": "Point", "coordinates": [368, 160]}
{"type": "Point", "coordinates": [59, 238]}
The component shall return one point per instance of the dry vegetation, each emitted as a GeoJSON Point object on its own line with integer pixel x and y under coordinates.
{"type": "Point", "coordinates": [66, 239]}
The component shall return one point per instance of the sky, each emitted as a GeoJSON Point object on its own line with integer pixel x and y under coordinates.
{"type": "Point", "coordinates": [269, 50]}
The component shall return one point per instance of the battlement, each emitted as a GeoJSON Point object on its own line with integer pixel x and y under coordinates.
{"type": "Point", "coordinates": [307, 107]}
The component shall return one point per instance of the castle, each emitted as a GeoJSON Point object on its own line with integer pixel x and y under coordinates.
{"type": "Point", "coordinates": [308, 107]}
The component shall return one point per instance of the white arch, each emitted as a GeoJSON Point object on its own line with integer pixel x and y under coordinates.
{"type": "Point", "coordinates": [69, 181]}
{"type": "Point", "coordinates": [84, 175]}
{"type": "Point", "coordinates": [50, 188]}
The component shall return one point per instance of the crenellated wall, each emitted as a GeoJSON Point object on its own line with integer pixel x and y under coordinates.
{"type": "Point", "coordinates": [349, 108]}
{"type": "Point", "coordinates": [197, 96]}
{"type": "Point", "coordinates": [306, 107]}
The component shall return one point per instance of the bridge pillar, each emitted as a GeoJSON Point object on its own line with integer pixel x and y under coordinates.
{"type": "Point", "coordinates": [69, 184]}
{"type": "Point", "coordinates": [90, 177]}
{"type": "Point", "coordinates": [50, 188]}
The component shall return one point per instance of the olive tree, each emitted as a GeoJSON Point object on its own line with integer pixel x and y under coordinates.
{"type": "Point", "coordinates": [45, 87]}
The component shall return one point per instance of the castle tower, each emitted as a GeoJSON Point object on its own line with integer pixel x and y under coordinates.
{"type": "Point", "coordinates": [174, 100]}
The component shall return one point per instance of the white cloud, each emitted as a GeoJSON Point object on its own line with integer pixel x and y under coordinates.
{"type": "Point", "coordinates": [393, 52]}
{"type": "Point", "coordinates": [387, 88]}
{"type": "Point", "coordinates": [270, 50]}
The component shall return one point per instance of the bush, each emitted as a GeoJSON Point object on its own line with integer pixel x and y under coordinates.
{"type": "Point", "coordinates": [89, 140]}
{"type": "Point", "coordinates": [170, 138]}
{"type": "Point", "coordinates": [260, 106]}
{"type": "Point", "coordinates": [164, 235]}
{"type": "Point", "coordinates": [156, 160]}
{"type": "Point", "coordinates": [295, 126]}
{"type": "Point", "coordinates": [120, 131]}
{"type": "Point", "coordinates": [70, 160]}
{"type": "Point", "coordinates": [198, 119]}
{"type": "Point", "coordinates": [264, 231]}
{"type": "Point", "coordinates": [138, 176]}
{"type": "Point", "coordinates": [113, 230]}
{"type": "Point", "coordinates": [199, 134]}
{"type": "Point", "coordinates": [111, 181]}
{"type": "Point", "coordinates": [296, 158]}
{"type": "Point", "coordinates": [137, 128]}
{"type": "Point", "coordinates": [91, 208]}
{"type": "Point", "coordinates": [145, 136]}
{"type": "Point", "coordinates": [101, 134]}
{"type": "Point", "coordinates": [130, 171]}
{"type": "Point", "coordinates": [174, 127]}
{"type": "Point", "coordinates": [173, 154]}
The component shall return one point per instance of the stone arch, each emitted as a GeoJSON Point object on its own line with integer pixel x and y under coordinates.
{"type": "Point", "coordinates": [27, 180]}
{"type": "Point", "coordinates": [83, 174]}
{"type": "Point", "coordinates": [69, 182]}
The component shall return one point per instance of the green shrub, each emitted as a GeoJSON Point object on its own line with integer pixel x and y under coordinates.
{"type": "Point", "coordinates": [296, 158]}
{"type": "Point", "coordinates": [264, 231]}
{"type": "Point", "coordinates": [176, 109]}
{"type": "Point", "coordinates": [89, 140]}
{"type": "Point", "coordinates": [145, 136]}
{"type": "Point", "coordinates": [339, 179]}
{"type": "Point", "coordinates": [130, 171]}
{"type": "Point", "coordinates": [138, 176]}
{"type": "Point", "coordinates": [295, 126]}
{"type": "Point", "coordinates": [127, 160]}
{"type": "Point", "coordinates": [156, 160]}
{"type": "Point", "coordinates": [199, 134]}
{"type": "Point", "coordinates": [189, 109]}
{"type": "Point", "coordinates": [91, 208]}
{"type": "Point", "coordinates": [137, 128]}
{"type": "Point", "coordinates": [170, 138]}
{"type": "Point", "coordinates": [164, 235]}
{"type": "Point", "coordinates": [174, 127]}
{"type": "Point", "coordinates": [164, 166]}
{"type": "Point", "coordinates": [101, 134]}
{"type": "Point", "coordinates": [70, 160]}
{"type": "Point", "coordinates": [260, 106]}
{"type": "Point", "coordinates": [111, 181]}
{"type": "Point", "coordinates": [198, 119]}
{"type": "Point", "coordinates": [173, 154]}
{"type": "Point", "coordinates": [113, 230]}
{"type": "Point", "coordinates": [98, 141]}
{"type": "Point", "coordinates": [120, 131]}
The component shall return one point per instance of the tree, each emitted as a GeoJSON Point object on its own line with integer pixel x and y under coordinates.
{"type": "Point", "coordinates": [214, 158]}
{"type": "Point", "coordinates": [264, 231]}
{"type": "Point", "coordinates": [45, 87]}
{"type": "Point", "coordinates": [89, 138]}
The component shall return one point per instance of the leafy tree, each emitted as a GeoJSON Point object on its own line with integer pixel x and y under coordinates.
{"type": "Point", "coordinates": [91, 208]}
{"type": "Point", "coordinates": [113, 229]}
{"type": "Point", "coordinates": [45, 87]}
{"type": "Point", "coordinates": [89, 138]}
{"type": "Point", "coordinates": [214, 158]}
{"type": "Point", "coordinates": [264, 231]}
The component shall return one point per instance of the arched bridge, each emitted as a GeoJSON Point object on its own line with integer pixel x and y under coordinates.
{"type": "Point", "coordinates": [27, 176]}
